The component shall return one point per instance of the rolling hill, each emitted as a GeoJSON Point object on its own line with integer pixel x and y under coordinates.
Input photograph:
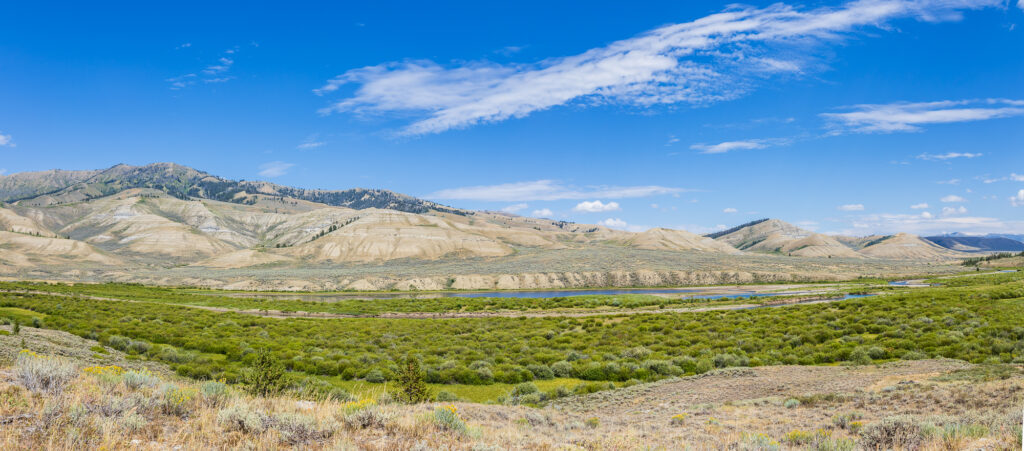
{"type": "Point", "coordinates": [123, 221]}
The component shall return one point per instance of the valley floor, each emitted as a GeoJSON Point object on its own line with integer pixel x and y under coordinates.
{"type": "Point", "coordinates": [926, 404]}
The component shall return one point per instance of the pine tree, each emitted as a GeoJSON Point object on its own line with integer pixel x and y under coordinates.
{"type": "Point", "coordinates": [266, 377]}
{"type": "Point", "coordinates": [412, 383]}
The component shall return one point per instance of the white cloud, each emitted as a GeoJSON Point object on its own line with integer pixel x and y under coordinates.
{"type": "Point", "coordinates": [919, 206]}
{"type": "Point", "coordinates": [953, 198]}
{"type": "Point", "coordinates": [851, 207]}
{"type": "Point", "coordinates": [543, 213]}
{"type": "Point", "coordinates": [614, 223]}
{"type": "Point", "coordinates": [715, 58]}
{"type": "Point", "coordinates": [183, 46]}
{"type": "Point", "coordinates": [930, 225]}
{"type": "Point", "coordinates": [730, 210]}
{"type": "Point", "coordinates": [310, 145]}
{"type": "Point", "coordinates": [274, 169]}
{"type": "Point", "coordinates": [1020, 4]}
{"type": "Point", "coordinates": [514, 208]}
{"type": "Point", "coordinates": [950, 211]}
{"type": "Point", "coordinates": [6, 140]}
{"type": "Point", "coordinates": [548, 190]}
{"type": "Point", "coordinates": [926, 215]}
{"type": "Point", "coordinates": [596, 206]}
{"type": "Point", "coordinates": [948, 156]}
{"type": "Point", "coordinates": [908, 117]}
{"type": "Point", "coordinates": [1018, 200]}
{"type": "Point", "coordinates": [1013, 177]}
{"type": "Point", "coordinates": [949, 182]}
{"type": "Point", "coordinates": [724, 147]}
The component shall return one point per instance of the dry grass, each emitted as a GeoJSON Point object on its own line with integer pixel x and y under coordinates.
{"type": "Point", "coordinates": [108, 408]}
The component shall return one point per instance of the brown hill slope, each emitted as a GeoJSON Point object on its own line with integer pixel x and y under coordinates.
{"type": "Point", "coordinates": [907, 246]}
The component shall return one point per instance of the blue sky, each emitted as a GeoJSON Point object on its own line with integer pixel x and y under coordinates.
{"type": "Point", "coordinates": [856, 118]}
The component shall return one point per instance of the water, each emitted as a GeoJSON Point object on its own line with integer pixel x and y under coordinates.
{"type": "Point", "coordinates": [689, 293]}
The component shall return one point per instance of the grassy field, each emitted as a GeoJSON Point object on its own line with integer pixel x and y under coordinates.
{"type": "Point", "coordinates": [362, 307]}
{"type": "Point", "coordinates": [976, 320]}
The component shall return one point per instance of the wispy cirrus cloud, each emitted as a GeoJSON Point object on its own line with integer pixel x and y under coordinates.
{"type": "Point", "coordinates": [275, 168]}
{"type": "Point", "coordinates": [216, 72]}
{"type": "Point", "coordinates": [927, 224]}
{"type": "Point", "coordinates": [6, 140]}
{"type": "Point", "coordinates": [948, 156]}
{"type": "Point", "coordinates": [715, 58]}
{"type": "Point", "coordinates": [726, 146]}
{"type": "Point", "coordinates": [547, 190]}
{"type": "Point", "coordinates": [1012, 177]}
{"type": "Point", "coordinates": [851, 207]}
{"type": "Point", "coordinates": [910, 117]}
{"type": "Point", "coordinates": [748, 144]}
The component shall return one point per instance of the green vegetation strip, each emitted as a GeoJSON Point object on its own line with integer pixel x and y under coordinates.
{"type": "Point", "coordinates": [981, 321]}
{"type": "Point", "coordinates": [360, 307]}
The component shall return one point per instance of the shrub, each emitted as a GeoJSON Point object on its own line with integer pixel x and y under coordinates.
{"type": "Point", "coordinates": [446, 396]}
{"type": "Point", "coordinates": [367, 417]}
{"type": "Point", "coordinates": [139, 346]}
{"type": "Point", "coordinates": [297, 429]}
{"type": "Point", "coordinates": [133, 422]}
{"type": "Point", "coordinates": [375, 376]}
{"type": "Point", "coordinates": [798, 437]}
{"type": "Point", "coordinates": [592, 422]}
{"type": "Point", "coordinates": [892, 432]}
{"type": "Point", "coordinates": [637, 353]}
{"type": "Point", "coordinates": [214, 392]}
{"type": "Point", "coordinates": [266, 377]}
{"type": "Point", "coordinates": [860, 356]}
{"type": "Point", "coordinates": [138, 379]}
{"type": "Point", "coordinates": [176, 400]}
{"type": "Point", "coordinates": [412, 386]}
{"type": "Point", "coordinates": [758, 442]}
{"type": "Point", "coordinates": [118, 342]}
{"type": "Point", "coordinates": [791, 403]}
{"type": "Point", "coordinates": [242, 418]}
{"type": "Point", "coordinates": [562, 369]}
{"type": "Point", "coordinates": [541, 371]}
{"type": "Point", "coordinates": [728, 360]}
{"type": "Point", "coordinates": [844, 421]}
{"type": "Point", "coordinates": [42, 374]}
{"type": "Point", "coordinates": [448, 418]}
{"type": "Point", "coordinates": [15, 328]}
{"type": "Point", "coordinates": [678, 419]}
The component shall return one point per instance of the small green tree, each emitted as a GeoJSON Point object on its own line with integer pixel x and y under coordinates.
{"type": "Point", "coordinates": [15, 328]}
{"type": "Point", "coordinates": [266, 377]}
{"type": "Point", "coordinates": [412, 383]}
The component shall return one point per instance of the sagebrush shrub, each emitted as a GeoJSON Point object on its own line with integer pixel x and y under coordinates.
{"type": "Point", "coordinates": [43, 374]}
{"type": "Point", "coordinates": [137, 379]}
{"type": "Point", "coordinates": [448, 418]}
{"type": "Point", "coordinates": [214, 392]}
{"type": "Point", "coordinates": [892, 432]}
{"type": "Point", "coordinates": [242, 418]}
